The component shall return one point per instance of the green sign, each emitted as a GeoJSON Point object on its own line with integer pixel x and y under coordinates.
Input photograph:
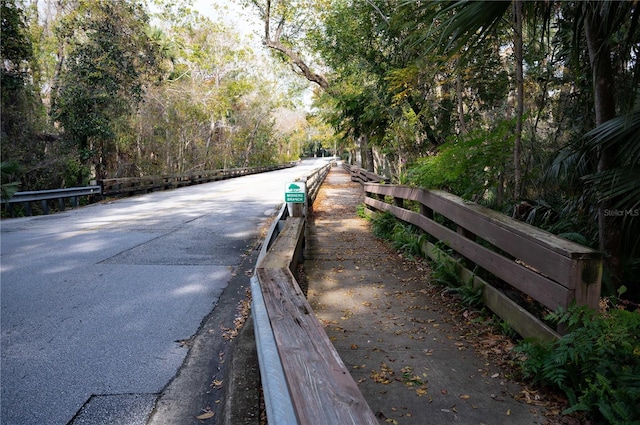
{"type": "Point", "coordinates": [295, 192]}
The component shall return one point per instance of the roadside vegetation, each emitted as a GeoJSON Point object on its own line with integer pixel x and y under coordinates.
{"type": "Point", "coordinates": [127, 88]}
{"type": "Point", "coordinates": [530, 108]}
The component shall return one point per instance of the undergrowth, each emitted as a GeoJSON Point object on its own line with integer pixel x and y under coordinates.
{"type": "Point", "coordinates": [409, 239]}
{"type": "Point", "coordinates": [445, 273]}
{"type": "Point", "coordinates": [596, 364]}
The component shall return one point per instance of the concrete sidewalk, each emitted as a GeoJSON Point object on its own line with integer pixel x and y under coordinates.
{"type": "Point", "coordinates": [392, 329]}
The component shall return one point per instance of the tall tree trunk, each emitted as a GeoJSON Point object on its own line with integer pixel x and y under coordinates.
{"type": "Point", "coordinates": [605, 109]}
{"type": "Point", "coordinates": [368, 155]}
{"type": "Point", "coordinates": [517, 148]}
{"type": "Point", "coordinates": [461, 120]}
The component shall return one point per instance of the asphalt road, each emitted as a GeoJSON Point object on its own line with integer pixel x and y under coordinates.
{"type": "Point", "coordinates": [94, 300]}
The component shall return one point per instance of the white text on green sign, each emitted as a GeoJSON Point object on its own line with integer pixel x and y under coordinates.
{"type": "Point", "coordinates": [295, 192]}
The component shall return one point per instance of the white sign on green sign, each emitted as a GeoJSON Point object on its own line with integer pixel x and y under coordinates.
{"type": "Point", "coordinates": [295, 192]}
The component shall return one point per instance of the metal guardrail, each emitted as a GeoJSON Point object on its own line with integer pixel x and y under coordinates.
{"type": "Point", "coordinates": [278, 402]}
{"type": "Point", "coordinates": [44, 196]}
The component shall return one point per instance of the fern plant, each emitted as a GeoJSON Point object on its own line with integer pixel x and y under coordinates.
{"type": "Point", "coordinates": [8, 183]}
{"type": "Point", "coordinates": [596, 364]}
{"type": "Point", "coordinates": [383, 225]}
{"type": "Point", "coordinates": [470, 296]}
{"type": "Point", "coordinates": [445, 272]}
{"type": "Point", "coordinates": [408, 239]}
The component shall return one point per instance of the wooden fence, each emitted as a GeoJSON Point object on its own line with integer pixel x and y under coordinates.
{"type": "Point", "coordinates": [551, 270]}
{"type": "Point", "coordinates": [362, 175]}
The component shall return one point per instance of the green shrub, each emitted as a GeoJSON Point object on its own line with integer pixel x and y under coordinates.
{"type": "Point", "coordinates": [8, 182]}
{"type": "Point", "coordinates": [404, 237]}
{"type": "Point", "coordinates": [470, 296]}
{"type": "Point", "coordinates": [383, 225]}
{"type": "Point", "coordinates": [445, 272]}
{"type": "Point", "coordinates": [361, 211]}
{"type": "Point", "coordinates": [596, 364]}
{"type": "Point", "coordinates": [467, 165]}
{"type": "Point", "coordinates": [408, 239]}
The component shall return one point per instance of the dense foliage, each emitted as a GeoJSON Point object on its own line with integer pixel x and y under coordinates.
{"type": "Point", "coordinates": [596, 364]}
{"type": "Point", "coordinates": [124, 88]}
{"type": "Point", "coordinates": [529, 107]}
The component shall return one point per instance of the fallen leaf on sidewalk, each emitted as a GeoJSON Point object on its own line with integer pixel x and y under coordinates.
{"type": "Point", "coordinates": [422, 391]}
{"type": "Point", "coordinates": [206, 415]}
{"type": "Point", "coordinates": [384, 376]}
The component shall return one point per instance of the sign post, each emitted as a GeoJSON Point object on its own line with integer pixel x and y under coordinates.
{"type": "Point", "coordinates": [295, 195]}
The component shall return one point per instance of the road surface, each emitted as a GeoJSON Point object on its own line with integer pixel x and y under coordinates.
{"type": "Point", "coordinates": [95, 300]}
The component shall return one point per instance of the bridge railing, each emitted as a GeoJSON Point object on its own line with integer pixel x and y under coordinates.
{"type": "Point", "coordinates": [303, 378]}
{"type": "Point", "coordinates": [127, 186]}
{"type": "Point", "coordinates": [43, 197]}
{"type": "Point", "coordinates": [551, 270]}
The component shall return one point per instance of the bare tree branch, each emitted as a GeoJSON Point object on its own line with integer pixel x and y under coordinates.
{"type": "Point", "coordinates": [275, 43]}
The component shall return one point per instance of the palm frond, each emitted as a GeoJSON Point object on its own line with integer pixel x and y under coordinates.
{"type": "Point", "coordinates": [621, 133]}
{"type": "Point", "coordinates": [619, 186]}
{"type": "Point", "coordinates": [457, 25]}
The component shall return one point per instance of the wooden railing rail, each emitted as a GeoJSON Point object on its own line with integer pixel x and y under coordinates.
{"type": "Point", "coordinates": [363, 176]}
{"type": "Point", "coordinates": [314, 181]}
{"type": "Point", "coordinates": [551, 270]}
{"type": "Point", "coordinates": [72, 194]}
{"type": "Point", "coordinates": [304, 379]}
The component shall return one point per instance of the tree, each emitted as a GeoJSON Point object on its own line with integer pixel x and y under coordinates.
{"type": "Point", "coordinates": [285, 23]}
{"type": "Point", "coordinates": [16, 51]}
{"type": "Point", "coordinates": [215, 109]}
{"type": "Point", "coordinates": [23, 139]}
{"type": "Point", "coordinates": [601, 23]}
{"type": "Point", "coordinates": [109, 59]}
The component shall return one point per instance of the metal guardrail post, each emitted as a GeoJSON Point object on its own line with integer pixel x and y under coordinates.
{"type": "Point", "coordinates": [278, 401]}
